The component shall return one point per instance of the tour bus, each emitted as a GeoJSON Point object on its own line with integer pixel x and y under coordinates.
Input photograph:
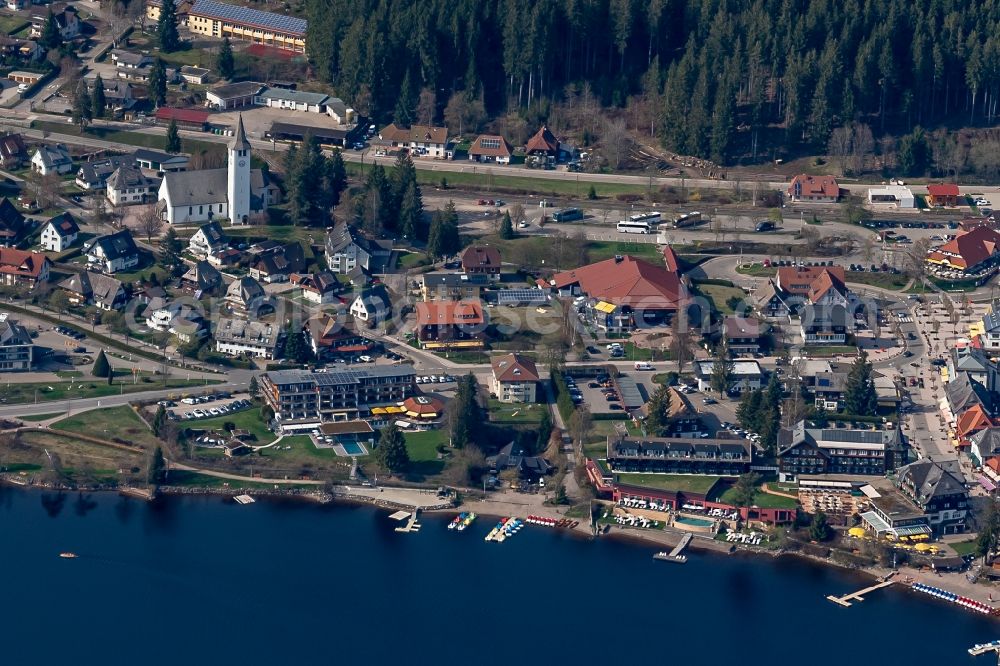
{"type": "Point", "coordinates": [567, 215]}
{"type": "Point", "coordinates": [652, 218]}
{"type": "Point", "coordinates": [630, 227]}
{"type": "Point", "coordinates": [687, 219]}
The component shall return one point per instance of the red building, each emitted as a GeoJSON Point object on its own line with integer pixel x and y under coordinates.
{"type": "Point", "coordinates": [816, 189]}
{"type": "Point", "coordinates": [942, 195]}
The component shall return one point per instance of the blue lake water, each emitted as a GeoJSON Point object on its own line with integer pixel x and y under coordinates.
{"type": "Point", "coordinates": [201, 580]}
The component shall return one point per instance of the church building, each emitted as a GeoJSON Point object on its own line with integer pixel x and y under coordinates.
{"type": "Point", "coordinates": [234, 193]}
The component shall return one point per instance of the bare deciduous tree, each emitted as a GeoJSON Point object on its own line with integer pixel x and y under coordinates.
{"type": "Point", "coordinates": [426, 107]}
{"type": "Point", "coordinates": [149, 223]}
{"type": "Point", "coordinates": [839, 146]}
{"type": "Point", "coordinates": [616, 142]}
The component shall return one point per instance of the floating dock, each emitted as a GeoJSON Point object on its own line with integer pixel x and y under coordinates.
{"type": "Point", "coordinates": [983, 648]}
{"type": "Point", "coordinates": [675, 554]}
{"type": "Point", "coordinates": [244, 499]}
{"type": "Point", "coordinates": [858, 596]}
{"type": "Point", "coordinates": [411, 521]}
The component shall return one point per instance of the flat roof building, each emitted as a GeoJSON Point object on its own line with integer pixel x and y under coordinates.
{"type": "Point", "coordinates": [217, 19]}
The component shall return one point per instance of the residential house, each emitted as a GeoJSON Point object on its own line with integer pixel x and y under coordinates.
{"type": "Point", "coordinates": [984, 445]}
{"type": "Point", "coordinates": [16, 347]}
{"type": "Point", "coordinates": [207, 240]}
{"type": "Point", "coordinates": [129, 59]}
{"type": "Point", "coordinates": [239, 23]}
{"type": "Point", "coordinates": [113, 252]}
{"type": "Point", "coordinates": [450, 324]}
{"type": "Point", "coordinates": [159, 162]}
{"type": "Point", "coordinates": [972, 421]}
{"type": "Point", "coordinates": [491, 148]}
{"type": "Point", "coordinates": [624, 293]}
{"type": "Point", "coordinates": [481, 259]}
{"type": "Point", "coordinates": [14, 227]}
{"type": "Point", "coordinates": [17, 5]}
{"type": "Point", "coordinates": [202, 278]}
{"type": "Point", "coordinates": [742, 334]}
{"type": "Point", "coordinates": [891, 195]}
{"type": "Point", "coordinates": [513, 456]}
{"type": "Point", "coordinates": [320, 288]}
{"type": "Point", "coordinates": [93, 174]}
{"type": "Point", "coordinates": [13, 152]}
{"type": "Point", "coordinates": [101, 291]}
{"type": "Point", "coordinates": [181, 10]}
{"type": "Point", "coordinates": [239, 337]}
{"type": "Point", "coordinates": [543, 145]}
{"type": "Point", "coordinates": [278, 264]}
{"type": "Point", "coordinates": [942, 195]}
{"type": "Point", "coordinates": [829, 389]}
{"type": "Point", "coordinates": [59, 233]}
{"type": "Point", "coordinates": [66, 18]}
{"type": "Point", "coordinates": [51, 158]}
{"type": "Point", "coordinates": [939, 491]}
{"type": "Point", "coordinates": [514, 378]}
{"type": "Point", "coordinates": [329, 337]}
{"type": "Point", "coordinates": [246, 298]}
{"type": "Point", "coordinates": [20, 268]}
{"type": "Point", "coordinates": [825, 325]}
{"type": "Point", "coordinates": [975, 363]}
{"type": "Point", "coordinates": [441, 286]}
{"type": "Point", "coordinates": [372, 305]}
{"type": "Point", "coordinates": [347, 249]}
{"type": "Point", "coordinates": [745, 376]}
{"type": "Point", "coordinates": [418, 140]}
{"type": "Point", "coordinates": [963, 393]}
{"type": "Point", "coordinates": [177, 318]}
{"type": "Point", "coordinates": [805, 449]}
{"type": "Point", "coordinates": [990, 337]}
{"type": "Point", "coordinates": [813, 189]}
{"type": "Point", "coordinates": [195, 75]}
{"type": "Point", "coordinates": [129, 186]}
{"type": "Point", "coordinates": [14, 49]}
{"type": "Point", "coordinates": [118, 94]}
{"type": "Point", "coordinates": [679, 455]}
{"type": "Point", "coordinates": [970, 252]}
{"type": "Point", "coordinates": [229, 96]}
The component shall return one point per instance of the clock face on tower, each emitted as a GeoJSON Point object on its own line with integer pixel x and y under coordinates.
{"type": "Point", "coordinates": [243, 163]}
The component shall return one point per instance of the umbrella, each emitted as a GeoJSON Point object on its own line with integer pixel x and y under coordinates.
{"type": "Point", "coordinates": [856, 532]}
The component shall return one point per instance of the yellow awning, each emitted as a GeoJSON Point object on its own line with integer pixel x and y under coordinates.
{"type": "Point", "coordinates": [393, 410]}
{"type": "Point", "coordinates": [379, 410]}
{"type": "Point", "coordinates": [605, 307]}
{"type": "Point", "coordinates": [922, 547]}
{"type": "Point", "coordinates": [450, 345]}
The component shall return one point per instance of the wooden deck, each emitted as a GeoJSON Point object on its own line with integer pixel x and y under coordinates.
{"type": "Point", "coordinates": [858, 596]}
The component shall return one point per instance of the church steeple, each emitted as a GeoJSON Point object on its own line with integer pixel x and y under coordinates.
{"type": "Point", "coordinates": [238, 191]}
{"type": "Point", "coordinates": [240, 139]}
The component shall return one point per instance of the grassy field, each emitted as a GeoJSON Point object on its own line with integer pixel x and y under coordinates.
{"type": "Point", "coordinates": [763, 500]}
{"type": "Point", "coordinates": [409, 260]}
{"type": "Point", "coordinates": [77, 461]}
{"type": "Point", "coordinates": [501, 412]}
{"type": "Point", "coordinates": [893, 281]}
{"type": "Point", "coordinates": [248, 419]}
{"type": "Point", "coordinates": [683, 482]}
{"type": "Point", "coordinates": [756, 270]}
{"type": "Point", "coordinates": [196, 480]}
{"type": "Point", "coordinates": [596, 443]}
{"type": "Point", "coordinates": [422, 447]}
{"type": "Point", "coordinates": [40, 417]}
{"type": "Point", "coordinates": [155, 141]}
{"type": "Point", "coordinates": [120, 422]}
{"type": "Point", "coordinates": [600, 250]}
{"type": "Point", "coordinates": [964, 547]}
{"type": "Point", "coordinates": [11, 24]}
{"type": "Point", "coordinates": [92, 387]}
{"type": "Point", "coordinates": [719, 294]}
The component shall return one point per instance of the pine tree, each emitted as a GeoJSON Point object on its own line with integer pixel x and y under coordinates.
{"type": "Point", "coordinates": [98, 101]}
{"type": "Point", "coordinates": [296, 348]}
{"type": "Point", "coordinates": [159, 420]}
{"type": "Point", "coordinates": [336, 178]}
{"type": "Point", "coordinates": [254, 387]}
{"type": "Point", "coordinates": [101, 366]}
{"type": "Point", "coordinates": [166, 29]}
{"type": "Point", "coordinates": [819, 529]}
{"type": "Point", "coordinates": [157, 470]}
{"type": "Point", "coordinates": [173, 138]}
{"type": "Point", "coordinates": [391, 451]}
{"type": "Point", "coordinates": [411, 214]}
{"type": "Point", "coordinates": [51, 37]}
{"type": "Point", "coordinates": [81, 105]}
{"type": "Point", "coordinates": [405, 103]}
{"type": "Point", "coordinates": [657, 412]}
{"type": "Point", "coordinates": [544, 431]}
{"type": "Point", "coordinates": [170, 251]}
{"type": "Point", "coordinates": [860, 397]}
{"type": "Point", "coordinates": [748, 413]}
{"type": "Point", "coordinates": [225, 62]}
{"type": "Point", "coordinates": [158, 81]}
{"type": "Point", "coordinates": [722, 368]}
{"type": "Point", "coordinates": [506, 227]}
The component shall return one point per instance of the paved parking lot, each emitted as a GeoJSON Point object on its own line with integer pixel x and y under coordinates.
{"type": "Point", "coordinates": [180, 409]}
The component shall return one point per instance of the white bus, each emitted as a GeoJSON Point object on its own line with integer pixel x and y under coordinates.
{"type": "Point", "coordinates": [652, 218]}
{"type": "Point", "coordinates": [630, 227]}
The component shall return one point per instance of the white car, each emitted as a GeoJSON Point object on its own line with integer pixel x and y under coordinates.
{"type": "Point", "coordinates": [982, 202]}
{"type": "Point", "coordinates": [215, 411]}
{"type": "Point", "coordinates": [188, 401]}
{"type": "Point", "coordinates": [198, 414]}
{"type": "Point", "coordinates": [366, 359]}
{"type": "Point", "coordinates": [420, 380]}
{"type": "Point", "coordinates": [522, 225]}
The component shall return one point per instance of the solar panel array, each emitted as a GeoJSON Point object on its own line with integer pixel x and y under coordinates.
{"type": "Point", "coordinates": [853, 436]}
{"type": "Point", "coordinates": [511, 296]}
{"type": "Point", "coordinates": [247, 16]}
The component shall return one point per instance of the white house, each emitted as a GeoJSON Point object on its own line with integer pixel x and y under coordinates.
{"type": "Point", "coordinates": [372, 305]}
{"type": "Point", "coordinates": [233, 193]}
{"type": "Point", "coordinates": [208, 240]}
{"type": "Point", "coordinates": [59, 233]}
{"type": "Point", "coordinates": [238, 337]}
{"type": "Point", "coordinates": [112, 253]}
{"type": "Point", "coordinates": [346, 250]}
{"type": "Point", "coordinates": [102, 291]}
{"type": "Point", "coordinates": [418, 139]}
{"type": "Point", "coordinates": [899, 196]}
{"type": "Point", "coordinates": [129, 186]}
{"type": "Point", "coordinates": [320, 288]}
{"type": "Point", "coordinates": [514, 378]}
{"type": "Point", "coordinates": [745, 375]}
{"type": "Point", "coordinates": [51, 159]}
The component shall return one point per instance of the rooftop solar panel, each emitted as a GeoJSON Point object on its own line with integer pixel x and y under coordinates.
{"type": "Point", "coordinates": [247, 16]}
{"type": "Point", "coordinates": [521, 296]}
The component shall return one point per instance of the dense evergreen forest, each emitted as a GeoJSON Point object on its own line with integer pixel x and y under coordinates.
{"type": "Point", "coordinates": [730, 80]}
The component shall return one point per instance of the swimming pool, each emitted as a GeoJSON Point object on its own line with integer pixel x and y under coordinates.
{"type": "Point", "coordinates": [694, 522]}
{"type": "Point", "coordinates": [353, 449]}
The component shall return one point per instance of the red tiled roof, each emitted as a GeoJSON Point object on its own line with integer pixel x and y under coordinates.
{"type": "Point", "coordinates": [480, 256]}
{"type": "Point", "coordinates": [416, 133]}
{"type": "Point", "coordinates": [503, 149]}
{"type": "Point", "coordinates": [815, 186]}
{"type": "Point", "coordinates": [993, 463]}
{"type": "Point", "coordinates": [671, 260]}
{"type": "Point", "coordinates": [514, 368]}
{"type": "Point", "coordinates": [182, 115]}
{"type": "Point", "coordinates": [628, 281]}
{"type": "Point", "coordinates": [973, 419]}
{"type": "Point", "coordinates": [942, 190]}
{"type": "Point", "coordinates": [824, 283]}
{"type": "Point", "coordinates": [543, 141]}
{"type": "Point", "coordinates": [20, 262]}
{"type": "Point", "coordinates": [798, 279]}
{"type": "Point", "coordinates": [443, 313]}
{"type": "Point", "coordinates": [968, 249]}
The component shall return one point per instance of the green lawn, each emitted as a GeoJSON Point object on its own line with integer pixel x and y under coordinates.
{"type": "Point", "coordinates": [155, 141]}
{"type": "Point", "coordinates": [600, 250]}
{"type": "Point", "coordinates": [90, 387]}
{"type": "Point", "coordinates": [248, 419]}
{"type": "Point", "coordinates": [691, 483]}
{"type": "Point", "coordinates": [40, 417]}
{"type": "Point", "coordinates": [964, 547]}
{"type": "Point", "coordinates": [893, 281]}
{"type": "Point", "coordinates": [763, 500]}
{"type": "Point", "coordinates": [831, 350]}
{"type": "Point", "coordinates": [422, 446]}
{"type": "Point", "coordinates": [120, 422]}
{"type": "Point", "coordinates": [11, 24]}
{"type": "Point", "coordinates": [756, 270]}
{"type": "Point", "coordinates": [409, 260]}
{"type": "Point", "coordinates": [501, 412]}
{"type": "Point", "coordinates": [719, 294]}
{"type": "Point", "coordinates": [195, 480]}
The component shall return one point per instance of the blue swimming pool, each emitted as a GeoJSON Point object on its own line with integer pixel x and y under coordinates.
{"type": "Point", "coordinates": [353, 448]}
{"type": "Point", "coordinates": [696, 522]}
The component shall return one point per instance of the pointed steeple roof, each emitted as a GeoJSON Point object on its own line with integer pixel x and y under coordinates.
{"type": "Point", "coordinates": [239, 141]}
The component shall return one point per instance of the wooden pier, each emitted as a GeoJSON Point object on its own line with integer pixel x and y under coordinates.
{"type": "Point", "coordinates": [675, 554]}
{"type": "Point", "coordinates": [411, 521]}
{"type": "Point", "coordinates": [858, 596]}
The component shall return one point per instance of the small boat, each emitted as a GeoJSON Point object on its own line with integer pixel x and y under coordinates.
{"type": "Point", "coordinates": [457, 521]}
{"type": "Point", "coordinates": [466, 521]}
{"type": "Point", "coordinates": [68, 556]}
